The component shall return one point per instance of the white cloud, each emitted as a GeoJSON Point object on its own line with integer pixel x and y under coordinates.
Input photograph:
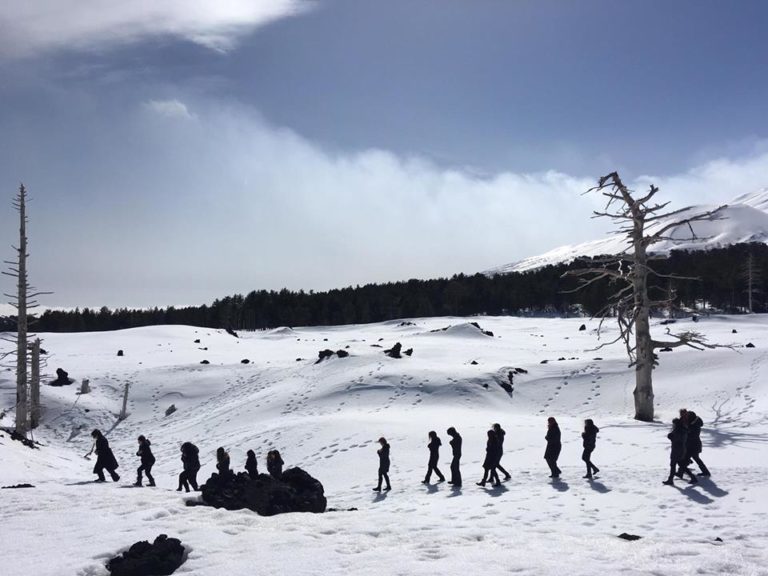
{"type": "Point", "coordinates": [30, 27]}
{"type": "Point", "coordinates": [169, 108]}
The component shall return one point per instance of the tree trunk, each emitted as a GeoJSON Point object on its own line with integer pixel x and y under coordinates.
{"type": "Point", "coordinates": [34, 385]}
{"type": "Point", "coordinates": [643, 345]}
{"type": "Point", "coordinates": [22, 408]}
{"type": "Point", "coordinates": [124, 411]}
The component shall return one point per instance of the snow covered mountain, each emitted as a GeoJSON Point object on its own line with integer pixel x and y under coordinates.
{"type": "Point", "coordinates": [743, 220]}
{"type": "Point", "coordinates": [326, 417]}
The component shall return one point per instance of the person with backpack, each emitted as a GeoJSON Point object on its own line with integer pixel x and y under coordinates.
{"type": "Point", "coordinates": [383, 453]}
{"type": "Point", "coordinates": [105, 459]}
{"type": "Point", "coordinates": [456, 448]}
{"type": "Point", "coordinates": [147, 461]}
{"type": "Point", "coordinates": [191, 460]}
{"type": "Point", "coordinates": [693, 442]}
{"type": "Point", "coordinates": [589, 440]}
{"type": "Point", "coordinates": [434, 456]}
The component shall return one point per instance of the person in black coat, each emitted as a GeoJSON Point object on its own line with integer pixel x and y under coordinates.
{"type": "Point", "coordinates": [191, 460]}
{"type": "Point", "coordinates": [552, 453]}
{"type": "Point", "coordinates": [678, 461]}
{"type": "Point", "coordinates": [275, 464]}
{"type": "Point", "coordinates": [147, 461]}
{"type": "Point", "coordinates": [492, 457]}
{"type": "Point", "coordinates": [383, 453]}
{"type": "Point", "coordinates": [456, 448]}
{"type": "Point", "coordinates": [693, 442]}
{"type": "Point", "coordinates": [434, 456]}
{"type": "Point", "coordinates": [222, 462]}
{"type": "Point", "coordinates": [589, 440]}
{"type": "Point", "coordinates": [251, 466]}
{"type": "Point", "coordinates": [500, 434]}
{"type": "Point", "coordinates": [105, 459]}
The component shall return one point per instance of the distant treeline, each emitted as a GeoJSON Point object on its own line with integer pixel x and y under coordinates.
{"type": "Point", "coordinates": [722, 285]}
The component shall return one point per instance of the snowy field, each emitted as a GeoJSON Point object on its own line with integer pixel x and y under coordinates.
{"type": "Point", "coordinates": [326, 418]}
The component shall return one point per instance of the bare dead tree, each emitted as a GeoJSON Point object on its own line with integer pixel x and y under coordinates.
{"type": "Point", "coordinates": [23, 301]}
{"type": "Point", "coordinates": [643, 224]}
{"type": "Point", "coordinates": [752, 275]}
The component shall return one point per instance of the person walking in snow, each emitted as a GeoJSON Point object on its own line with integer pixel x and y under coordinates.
{"type": "Point", "coordinates": [105, 459]}
{"type": "Point", "coordinates": [678, 462]}
{"type": "Point", "coordinates": [251, 466]}
{"type": "Point", "coordinates": [552, 453]}
{"type": "Point", "coordinates": [222, 462]}
{"type": "Point", "coordinates": [492, 456]}
{"type": "Point", "coordinates": [147, 461]}
{"type": "Point", "coordinates": [693, 442]}
{"type": "Point", "coordinates": [456, 448]}
{"type": "Point", "coordinates": [383, 453]}
{"type": "Point", "coordinates": [500, 433]}
{"type": "Point", "coordinates": [434, 456]}
{"type": "Point", "coordinates": [191, 460]}
{"type": "Point", "coordinates": [589, 440]}
{"type": "Point", "coordinates": [275, 464]}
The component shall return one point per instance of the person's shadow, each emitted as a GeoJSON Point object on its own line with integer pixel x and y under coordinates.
{"type": "Point", "coordinates": [711, 488]}
{"type": "Point", "coordinates": [380, 496]}
{"type": "Point", "coordinates": [598, 486]}
{"type": "Point", "coordinates": [455, 491]}
{"type": "Point", "coordinates": [560, 485]}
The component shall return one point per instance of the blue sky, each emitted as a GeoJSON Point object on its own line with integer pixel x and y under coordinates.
{"type": "Point", "coordinates": [180, 151]}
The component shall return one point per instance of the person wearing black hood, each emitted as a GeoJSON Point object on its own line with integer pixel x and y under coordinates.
{"type": "Point", "coordinates": [275, 464]}
{"type": "Point", "coordinates": [251, 466]}
{"type": "Point", "coordinates": [105, 459]}
{"type": "Point", "coordinates": [383, 453]}
{"type": "Point", "coordinates": [191, 460]}
{"type": "Point", "coordinates": [147, 461]}
{"type": "Point", "coordinates": [693, 441]}
{"type": "Point", "coordinates": [678, 461]}
{"type": "Point", "coordinates": [552, 453]}
{"type": "Point", "coordinates": [222, 461]}
{"type": "Point", "coordinates": [456, 448]}
{"type": "Point", "coordinates": [589, 437]}
{"type": "Point", "coordinates": [500, 433]}
{"type": "Point", "coordinates": [492, 456]}
{"type": "Point", "coordinates": [434, 456]}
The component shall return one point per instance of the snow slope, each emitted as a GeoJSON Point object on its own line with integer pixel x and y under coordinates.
{"type": "Point", "coordinates": [744, 220]}
{"type": "Point", "coordinates": [326, 417]}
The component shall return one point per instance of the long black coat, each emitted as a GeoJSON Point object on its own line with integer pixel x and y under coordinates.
{"type": "Point", "coordinates": [251, 466]}
{"type": "Point", "coordinates": [678, 438]}
{"type": "Point", "coordinates": [434, 451]}
{"type": "Point", "coordinates": [693, 440]}
{"type": "Point", "coordinates": [145, 453]}
{"type": "Point", "coordinates": [104, 456]}
{"type": "Point", "coordinates": [456, 445]}
{"type": "Point", "coordinates": [553, 443]}
{"type": "Point", "coordinates": [190, 457]}
{"type": "Point", "coordinates": [383, 453]}
{"type": "Point", "coordinates": [589, 437]}
{"type": "Point", "coordinates": [492, 452]}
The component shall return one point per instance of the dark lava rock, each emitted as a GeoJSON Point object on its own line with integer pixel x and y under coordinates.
{"type": "Point", "coordinates": [630, 537]}
{"type": "Point", "coordinates": [17, 486]}
{"type": "Point", "coordinates": [160, 558]}
{"type": "Point", "coordinates": [409, 352]}
{"type": "Point", "coordinates": [394, 352]}
{"type": "Point", "coordinates": [521, 371]}
{"type": "Point", "coordinates": [204, 362]}
{"type": "Point", "coordinates": [749, 345]}
{"type": "Point", "coordinates": [170, 410]}
{"type": "Point", "coordinates": [296, 491]}
{"type": "Point", "coordinates": [323, 354]}
{"type": "Point", "coordinates": [402, 324]}
{"type": "Point", "coordinates": [734, 331]}
{"type": "Point", "coordinates": [120, 353]}
{"type": "Point", "coordinates": [543, 361]}
{"type": "Point", "coordinates": [299, 359]}
{"type": "Point", "coordinates": [474, 363]}
{"type": "Point", "coordinates": [486, 332]}
{"type": "Point", "coordinates": [342, 353]}
{"type": "Point", "coordinates": [62, 378]}
{"type": "Point", "coordinates": [245, 361]}
{"type": "Point", "coordinates": [197, 341]}
{"type": "Point", "coordinates": [582, 327]}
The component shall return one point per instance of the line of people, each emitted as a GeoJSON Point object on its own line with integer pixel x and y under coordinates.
{"type": "Point", "coordinates": [685, 439]}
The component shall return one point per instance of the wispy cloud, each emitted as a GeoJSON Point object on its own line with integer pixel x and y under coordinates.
{"type": "Point", "coordinates": [169, 108]}
{"type": "Point", "coordinates": [28, 28]}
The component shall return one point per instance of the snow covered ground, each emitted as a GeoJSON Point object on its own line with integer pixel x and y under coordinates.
{"type": "Point", "coordinates": [326, 417]}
